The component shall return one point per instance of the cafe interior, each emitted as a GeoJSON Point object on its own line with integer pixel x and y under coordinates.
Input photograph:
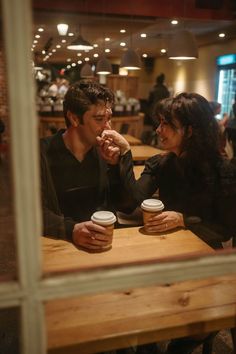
{"type": "Point", "coordinates": [147, 289]}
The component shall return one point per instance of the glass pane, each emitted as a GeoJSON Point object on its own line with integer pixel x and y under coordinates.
{"type": "Point", "coordinates": [10, 331]}
{"type": "Point", "coordinates": [7, 234]}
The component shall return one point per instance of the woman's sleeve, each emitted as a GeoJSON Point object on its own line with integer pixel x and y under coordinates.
{"type": "Point", "coordinates": [138, 190]}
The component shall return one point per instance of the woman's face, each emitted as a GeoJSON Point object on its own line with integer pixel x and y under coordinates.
{"type": "Point", "coordinates": [170, 138]}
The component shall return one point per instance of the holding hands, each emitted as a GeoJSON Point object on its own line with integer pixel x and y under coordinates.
{"type": "Point", "coordinates": [112, 146]}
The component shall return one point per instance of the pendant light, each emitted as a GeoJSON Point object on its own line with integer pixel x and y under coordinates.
{"type": "Point", "coordinates": [86, 71]}
{"type": "Point", "coordinates": [103, 66]}
{"type": "Point", "coordinates": [79, 43]}
{"type": "Point", "coordinates": [183, 46]}
{"type": "Point", "coordinates": [130, 60]}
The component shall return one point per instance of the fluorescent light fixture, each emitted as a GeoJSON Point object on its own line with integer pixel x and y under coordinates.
{"type": "Point", "coordinates": [62, 29]}
{"type": "Point", "coordinates": [183, 46]}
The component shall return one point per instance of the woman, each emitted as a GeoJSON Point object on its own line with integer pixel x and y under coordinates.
{"type": "Point", "coordinates": [196, 184]}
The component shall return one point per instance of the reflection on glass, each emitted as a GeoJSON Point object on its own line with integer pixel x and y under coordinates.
{"type": "Point", "coordinates": [9, 331]}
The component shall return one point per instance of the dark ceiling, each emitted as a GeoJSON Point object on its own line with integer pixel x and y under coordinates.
{"type": "Point", "coordinates": [98, 19]}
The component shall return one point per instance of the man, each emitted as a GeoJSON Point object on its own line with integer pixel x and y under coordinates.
{"type": "Point", "coordinates": [79, 170]}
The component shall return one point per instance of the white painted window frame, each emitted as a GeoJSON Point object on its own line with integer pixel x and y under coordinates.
{"type": "Point", "coordinates": [31, 290]}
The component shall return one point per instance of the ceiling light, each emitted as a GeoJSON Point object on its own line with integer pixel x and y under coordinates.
{"type": "Point", "coordinates": [95, 55]}
{"type": "Point", "coordinates": [63, 41]}
{"type": "Point", "coordinates": [95, 45]}
{"type": "Point", "coordinates": [37, 36]}
{"type": "Point", "coordinates": [86, 59]}
{"type": "Point", "coordinates": [62, 29]}
{"type": "Point", "coordinates": [144, 55]}
{"type": "Point", "coordinates": [58, 46]}
{"type": "Point", "coordinates": [70, 34]}
{"type": "Point", "coordinates": [79, 62]}
{"type": "Point", "coordinates": [107, 39]}
{"type": "Point", "coordinates": [80, 44]}
{"type": "Point", "coordinates": [183, 46]}
{"type": "Point", "coordinates": [122, 44]}
{"type": "Point", "coordinates": [86, 71]}
{"type": "Point", "coordinates": [107, 50]}
{"type": "Point", "coordinates": [130, 60]}
{"type": "Point", "coordinates": [143, 35]}
{"type": "Point", "coordinates": [174, 22]}
{"type": "Point", "coordinates": [163, 50]}
{"type": "Point", "coordinates": [103, 66]}
{"type": "Point", "coordinates": [40, 29]}
{"type": "Point", "coordinates": [122, 31]}
{"type": "Point", "coordinates": [221, 35]}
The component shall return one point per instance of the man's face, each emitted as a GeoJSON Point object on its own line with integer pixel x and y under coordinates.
{"type": "Point", "coordinates": [95, 120]}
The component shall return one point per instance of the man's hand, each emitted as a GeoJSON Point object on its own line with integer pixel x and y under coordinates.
{"type": "Point", "coordinates": [112, 145]}
{"type": "Point", "coordinates": [108, 150]}
{"type": "Point", "coordinates": [91, 236]}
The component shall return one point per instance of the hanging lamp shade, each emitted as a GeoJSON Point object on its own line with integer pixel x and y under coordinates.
{"type": "Point", "coordinates": [86, 71]}
{"type": "Point", "coordinates": [79, 43]}
{"type": "Point", "coordinates": [183, 46]}
{"type": "Point", "coordinates": [130, 60]}
{"type": "Point", "coordinates": [103, 66]}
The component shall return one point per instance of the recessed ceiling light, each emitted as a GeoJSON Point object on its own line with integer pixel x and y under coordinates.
{"type": "Point", "coordinates": [79, 54]}
{"type": "Point", "coordinates": [40, 29]}
{"type": "Point", "coordinates": [79, 62]}
{"type": "Point", "coordinates": [43, 51]}
{"type": "Point", "coordinates": [35, 41]}
{"type": "Point", "coordinates": [144, 55]}
{"type": "Point", "coordinates": [174, 22]}
{"type": "Point", "coordinates": [122, 44]}
{"type": "Point", "coordinates": [122, 30]}
{"type": "Point", "coordinates": [58, 46]}
{"type": "Point", "coordinates": [68, 66]}
{"type": "Point", "coordinates": [86, 59]}
{"type": "Point", "coordinates": [69, 59]}
{"type": "Point", "coordinates": [37, 36]}
{"type": "Point", "coordinates": [107, 39]}
{"type": "Point", "coordinates": [95, 45]}
{"type": "Point", "coordinates": [73, 64]}
{"type": "Point", "coordinates": [70, 34]}
{"type": "Point", "coordinates": [221, 35]}
{"type": "Point", "coordinates": [143, 35]}
{"type": "Point", "coordinates": [63, 41]}
{"type": "Point", "coordinates": [107, 50]}
{"type": "Point", "coordinates": [95, 55]}
{"type": "Point", "coordinates": [163, 50]}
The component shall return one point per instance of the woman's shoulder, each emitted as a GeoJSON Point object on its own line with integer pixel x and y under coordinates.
{"type": "Point", "coordinates": [160, 160]}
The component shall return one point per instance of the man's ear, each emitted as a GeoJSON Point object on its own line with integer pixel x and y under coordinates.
{"type": "Point", "coordinates": [73, 119]}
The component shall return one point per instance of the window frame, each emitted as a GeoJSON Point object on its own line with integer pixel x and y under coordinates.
{"type": "Point", "coordinates": [31, 289]}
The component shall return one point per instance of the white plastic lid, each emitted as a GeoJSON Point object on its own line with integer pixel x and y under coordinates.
{"type": "Point", "coordinates": [103, 218]}
{"type": "Point", "coordinates": [152, 205]}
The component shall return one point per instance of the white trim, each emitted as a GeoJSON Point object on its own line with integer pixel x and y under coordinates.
{"type": "Point", "coordinates": [17, 16]}
{"type": "Point", "coordinates": [93, 282]}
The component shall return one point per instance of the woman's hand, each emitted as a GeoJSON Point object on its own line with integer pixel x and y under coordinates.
{"type": "Point", "coordinates": [91, 236]}
{"type": "Point", "coordinates": [108, 150]}
{"type": "Point", "coordinates": [117, 140]}
{"type": "Point", "coordinates": [167, 220]}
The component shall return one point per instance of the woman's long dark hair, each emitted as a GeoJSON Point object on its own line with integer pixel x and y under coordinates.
{"type": "Point", "coordinates": [200, 148]}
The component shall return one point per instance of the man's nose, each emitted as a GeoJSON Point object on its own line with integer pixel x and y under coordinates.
{"type": "Point", "coordinates": [107, 124]}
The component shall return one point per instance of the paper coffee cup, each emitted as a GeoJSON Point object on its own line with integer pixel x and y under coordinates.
{"type": "Point", "coordinates": [151, 207]}
{"type": "Point", "coordinates": [106, 219]}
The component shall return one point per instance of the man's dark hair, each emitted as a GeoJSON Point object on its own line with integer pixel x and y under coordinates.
{"type": "Point", "coordinates": [81, 95]}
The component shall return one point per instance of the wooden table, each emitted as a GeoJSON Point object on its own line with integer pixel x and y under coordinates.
{"type": "Point", "coordinates": [138, 170]}
{"type": "Point", "coordinates": [132, 140]}
{"type": "Point", "coordinates": [143, 152]}
{"type": "Point", "coordinates": [94, 323]}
